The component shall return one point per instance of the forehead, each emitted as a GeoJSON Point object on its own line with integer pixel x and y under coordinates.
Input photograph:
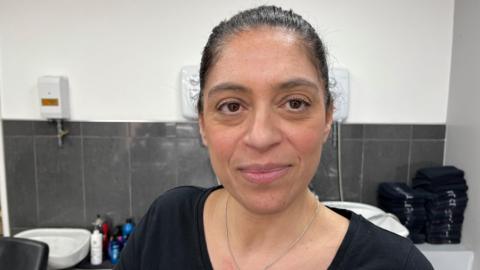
{"type": "Point", "coordinates": [263, 54]}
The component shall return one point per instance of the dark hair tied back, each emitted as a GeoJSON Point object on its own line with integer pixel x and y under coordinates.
{"type": "Point", "coordinates": [264, 16]}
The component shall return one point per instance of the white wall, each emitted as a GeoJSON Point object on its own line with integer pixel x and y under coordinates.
{"type": "Point", "coordinates": [123, 57]}
{"type": "Point", "coordinates": [3, 181]}
{"type": "Point", "coordinates": [463, 122]}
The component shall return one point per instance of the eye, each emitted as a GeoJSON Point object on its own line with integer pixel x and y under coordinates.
{"type": "Point", "coordinates": [297, 104]}
{"type": "Point", "coordinates": [229, 107]}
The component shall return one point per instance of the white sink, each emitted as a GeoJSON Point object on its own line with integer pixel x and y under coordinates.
{"type": "Point", "coordinates": [373, 214]}
{"type": "Point", "coordinates": [446, 257]}
{"type": "Point", "coordinates": [67, 247]}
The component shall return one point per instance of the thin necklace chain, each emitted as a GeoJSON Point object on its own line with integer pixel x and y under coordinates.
{"type": "Point", "coordinates": [290, 247]}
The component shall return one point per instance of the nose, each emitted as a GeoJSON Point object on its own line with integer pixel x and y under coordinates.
{"type": "Point", "coordinates": [263, 131]}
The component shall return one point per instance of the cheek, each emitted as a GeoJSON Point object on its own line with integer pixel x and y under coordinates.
{"type": "Point", "coordinates": [307, 141]}
{"type": "Point", "coordinates": [221, 144]}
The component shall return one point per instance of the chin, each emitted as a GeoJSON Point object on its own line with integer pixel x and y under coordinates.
{"type": "Point", "coordinates": [264, 203]}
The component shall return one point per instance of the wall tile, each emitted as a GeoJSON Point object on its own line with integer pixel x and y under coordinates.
{"type": "Point", "coordinates": [352, 131]}
{"type": "Point", "coordinates": [325, 181]}
{"type": "Point", "coordinates": [17, 127]}
{"type": "Point", "coordinates": [152, 129]}
{"type": "Point", "coordinates": [425, 154]}
{"type": "Point", "coordinates": [428, 132]}
{"type": "Point", "coordinates": [194, 164]}
{"type": "Point", "coordinates": [105, 129]}
{"type": "Point", "coordinates": [15, 230]}
{"type": "Point", "coordinates": [50, 128]}
{"type": "Point", "coordinates": [60, 187]}
{"type": "Point", "coordinates": [188, 130]}
{"type": "Point", "coordinates": [124, 175]}
{"type": "Point", "coordinates": [21, 187]}
{"type": "Point", "coordinates": [390, 132]}
{"type": "Point", "coordinates": [154, 170]}
{"type": "Point", "coordinates": [352, 156]}
{"type": "Point", "coordinates": [148, 183]}
{"type": "Point", "coordinates": [107, 178]}
{"type": "Point", "coordinates": [384, 161]}
{"type": "Point", "coordinates": [153, 152]}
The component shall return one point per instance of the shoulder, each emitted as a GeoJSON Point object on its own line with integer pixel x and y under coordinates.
{"type": "Point", "coordinates": [179, 202]}
{"type": "Point", "coordinates": [372, 247]}
{"type": "Point", "coordinates": [169, 226]}
{"type": "Point", "coordinates": [183, 195]}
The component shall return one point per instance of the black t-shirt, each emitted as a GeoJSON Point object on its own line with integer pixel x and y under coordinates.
{"type": "Point", "coordinates": [171, 236]}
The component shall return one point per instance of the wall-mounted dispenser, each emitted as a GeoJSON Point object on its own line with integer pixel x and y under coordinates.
{"type": "Point", "coordinates": [190, 91]}
{"type": "Point", "coordinates": [54, 103]}
{"type": "Point", "coordinates": [53, 91]}
{"type": "Point", "coordinates": [340, 88]}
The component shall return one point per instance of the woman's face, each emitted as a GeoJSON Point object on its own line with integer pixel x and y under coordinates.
{"type": "Point", "coordinates": [264, 120]}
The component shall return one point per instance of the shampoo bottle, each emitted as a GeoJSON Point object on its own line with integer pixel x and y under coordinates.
{"type": "Point", "coordinates": [114, 250]}
{"type": "Point", "coordinates": [127, 229]}
{"type": "Point", "coordinates": [96, 256]}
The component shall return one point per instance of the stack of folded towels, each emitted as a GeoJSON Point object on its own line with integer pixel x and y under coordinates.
{"type": "Point", "coordinates": [407, 204]}
{"type": "Point", "coordinates": [446, 204]}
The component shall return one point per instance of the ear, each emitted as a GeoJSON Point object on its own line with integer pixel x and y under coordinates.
{"type": "Point", "coordinates": [328, 123]}
{"type": "Point", "coordinates": [201, 125]}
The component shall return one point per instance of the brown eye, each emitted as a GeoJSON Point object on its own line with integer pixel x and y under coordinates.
{"type": "Point", "coordinates": [233, 107]}
{"type": "Point", "coordinates": [297, 104]}
{"type": "Point", "coordinates": [230, 107]}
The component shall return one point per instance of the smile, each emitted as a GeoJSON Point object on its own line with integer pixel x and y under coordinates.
{"type": "Point", "coordinates": [263, 174]}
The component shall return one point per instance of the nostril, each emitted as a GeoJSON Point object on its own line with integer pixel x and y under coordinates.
{"type": "Point", "coordinates": [262, 135]}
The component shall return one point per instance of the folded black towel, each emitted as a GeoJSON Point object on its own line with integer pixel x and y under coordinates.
{"type": "Point", "coordinates": [423, 181]}
{"type": "Point", "coordinates": [449, 194]}
{"type": "Point", "coordinates": [443, 188]}
{"type": "Point", "coordinates": [447, 240]}
{"type": "Point", "coordinates": [401, 203]}
{"type": "Point", "coordinates": [450, 203]}
{"type": "Point", "coordinates": [395, 190]}
{"type": "Point", "coordinates": [441, 171]}
{"type": "Point", "coordinates": [444, 228]}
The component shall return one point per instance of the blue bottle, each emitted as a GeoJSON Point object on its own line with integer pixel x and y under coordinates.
{"type": "Point", "coordinates": [114, 250]}
{"type": "Point", "coordinates": [127, 229]}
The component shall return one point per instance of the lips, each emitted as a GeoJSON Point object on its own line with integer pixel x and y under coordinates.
{"type": "Point", "coordinates": [264, 173]}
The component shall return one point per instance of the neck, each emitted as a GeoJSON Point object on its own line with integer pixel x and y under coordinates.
{"type": "Point", "coordinates": [251, 232]}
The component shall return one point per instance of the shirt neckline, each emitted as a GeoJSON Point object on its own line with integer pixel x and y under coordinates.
{"type": "Point", "coordinates": [202, 243]}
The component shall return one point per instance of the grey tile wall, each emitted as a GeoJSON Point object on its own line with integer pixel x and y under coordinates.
{"type": "Point", "coordinates": [21, 184]}
{"type": "Point", "coordinates": [59, 179]}
{"type": "Point", "coordinates": [375, 153]}
{"type": "Point", "coordinates": [118, 169]}
{"type": "Point", "coordinates": [107, 178]}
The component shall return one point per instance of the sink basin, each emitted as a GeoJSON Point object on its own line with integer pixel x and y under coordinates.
{"type": "Point", "coordinates": [67, 247]}
{"type": "Point", "coordinates": [373, 214]}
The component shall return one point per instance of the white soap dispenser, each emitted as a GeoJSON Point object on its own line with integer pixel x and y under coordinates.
{"type": "Point", "coordinates": [96, 255]}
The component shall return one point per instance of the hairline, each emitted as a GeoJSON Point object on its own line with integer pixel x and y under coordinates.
{"type": "Point", "coordinates": [299, 41]}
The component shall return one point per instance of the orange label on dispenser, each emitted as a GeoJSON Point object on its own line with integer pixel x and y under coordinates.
{"type": "Point", "coordinates": [49, 102]}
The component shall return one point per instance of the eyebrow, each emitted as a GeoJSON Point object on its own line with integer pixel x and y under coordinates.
{"type": "Point", "coordinates": [298, 82]}
{"type": "Point", "coordinates": [287, 85]}
{"type": "Point", "coordinates": [227, 86]}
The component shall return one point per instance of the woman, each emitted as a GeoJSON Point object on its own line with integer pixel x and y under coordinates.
{"type": "Point", "coordinates": [264, 113]}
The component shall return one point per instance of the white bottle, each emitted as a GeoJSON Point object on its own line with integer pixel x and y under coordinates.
{"type": "Point", "coordinates": [96, 256]}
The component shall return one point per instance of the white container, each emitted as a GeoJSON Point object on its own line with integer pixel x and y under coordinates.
{"type": "Point", "coordinates": [373, 214]}
{"type": "Point", "coordinates": [96, 254]}
{"type": "Point", "coordinates": [54, 98]}
{"type": "Point", "coordinates": [447, 257]}
{"type": "Point", "coordinates": [67, 246]}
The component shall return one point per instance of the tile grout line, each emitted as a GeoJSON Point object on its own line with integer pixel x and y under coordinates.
{"type": "Point", "coordinates": [35, 176]}
{"type": "Point", "coordinates": [129, 153]}
{"type": "Point", "coordinates": [176, 156]}
{"type": "Point", "coordinates": [84, 191]}
{"type": "Point", "coordinates": [409, 160]}
{"type": "Point", "coordinates": [362, 164]}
